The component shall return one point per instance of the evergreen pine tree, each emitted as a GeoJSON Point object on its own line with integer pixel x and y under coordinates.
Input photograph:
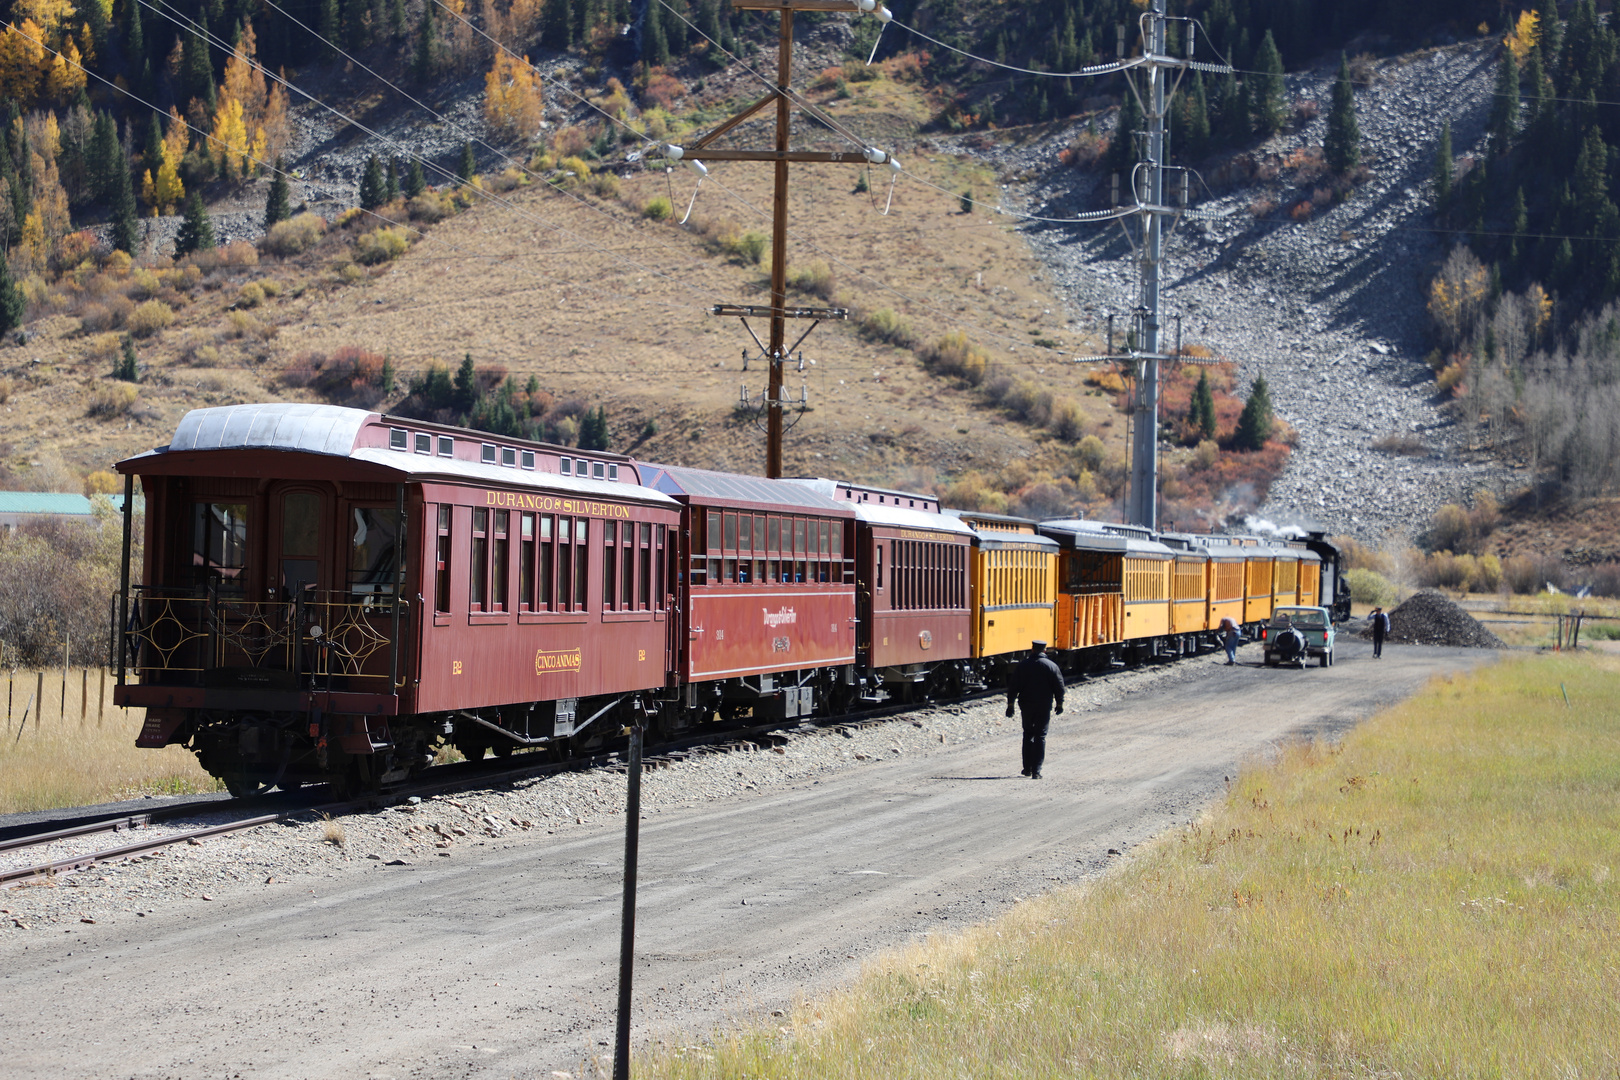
{"type": "Point", "coordinates": [1342, 145]}
{"type": "Point", "coordinates": [593, 429]}
{"type": "Point", "coordinates": [196, 69]}
{"type": "Point", "coordinates": [1521, 225]}
{"type": "Point", "coordinates": [1535, 75]}
{"type": "Point", "coordinates": [392, 189]}
{"type": "Point", "coordinates": [125, 232]}
{"type": "Point", "coordinates": [1504, 121]}
{"type": "Point", "coordinates": [415, 182]}
{"type": "Point", "coordinates": [1443, 168]}
{"type": "Point", "coordinates": [128, 369]}
{"type": "Point", "coordinates": [1267, 95]}
{"type": "Point", "coordinates": [1122, 152]}
{"type": "Point", "coordinates": [386, 379]}
{"type": "Point", "coordinates": [396, 19]}
{"type": "Point", "coordinates": [11, 299]}
{"type": "Point", "coordinates": [1254, 425]}
{"type": "Point", "coordinates": [373, 190]}
{"type": "Point", "coordinates": [196, 230]}
{"type": "Point", "coordinates": [426, 63]}
{"type": "Point", "coordinates": [104, 158]}
{"type": "Point", "coordinates": [331, 27]}
{"type": "Point", "coordinates": [152, 149]}
{"type": "Point", "coordinates": [1195, 136]}
{"type": "Point", "coordinates": [467, 167]}
{"type": "Point", "coordinates": [654, 45]}
{"type": "Point", "coordinates": [1201, 413]}
{"type": "Point", "coordinates": [465, 386]}
{"type": "Point", "coordinates": [275, 203]}
{"type": "Point", "coordinates": [554, 24]}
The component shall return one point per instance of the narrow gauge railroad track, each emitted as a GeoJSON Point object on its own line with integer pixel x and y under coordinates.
{"type": "Point", "coordinates": [478, 775]}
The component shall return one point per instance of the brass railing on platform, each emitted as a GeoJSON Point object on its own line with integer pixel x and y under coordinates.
{"type": "Point", "coordinates": [316, 635]}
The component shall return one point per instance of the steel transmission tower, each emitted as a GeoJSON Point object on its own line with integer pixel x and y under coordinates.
{"type": "Point", "coordinates": [1149, 207]}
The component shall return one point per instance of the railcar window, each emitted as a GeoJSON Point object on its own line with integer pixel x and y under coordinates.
{"type": "Point", "coordinates": [731, 533]}
{"type": "Point", "coordinates": [661, 562]}
{"type": "Point", "coordinates": [476, 598]}
{"type": "Point", "coordinates": [424, 444]}
{"type": "Point", "coordinates": [526, 564]}
{"type": "Point", "coordinates": [300, 542]}
{"type": "Point", "coordinates": [488, 457]}
{"type": "Point", "coordinates": [629, 567]}
{"type": "Point", "coordinates": [447, 446]}
{"type": "Point", "coordinates": [528, 459]}
{"type": "Point", "coordinates": [745, 533]}
{"type": "Point", "coordinates": [398, 439]}
{"type": "Point", "coordinates": [582, 562]}
{"type": "Point", "coordinates": [498, 570]}
{"type": "Point", "coordinates": [610, 564]}
{"type": "Point", "coordinates": [713, 532]}
{"type": "Point", "coordinates": [775, 543]}
{"type": "Point", "coordinates": [441, 589]}
{"type": "Point", "coordinates": [877, 550]}
{"type": "Point", "coordinates": [219, 545]}
{"type": "Point", "coordinates": [798, 536]}
{"type": "Point", "coordinates": [566, 466]}
{"type": "Point", "coordinates": [646, 552]}
{"type": "Point", "coordinates": [508, 457]}
{"type": "Point", "coordinates": [548, 560]}
{"type": "Point", "coordinates": [565, 564]}
{"type": "Point", "coordinates": [371, 560]}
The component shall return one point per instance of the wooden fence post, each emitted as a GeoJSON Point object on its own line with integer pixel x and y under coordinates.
{"type": "Point", "coordinates": [39, 697]}
{"type": "Point", "coordinates": [84, 695]}
{"type": "Point", "coordinates": [101, 704]}
{"type": "Point", "coordinates": [67, 653]}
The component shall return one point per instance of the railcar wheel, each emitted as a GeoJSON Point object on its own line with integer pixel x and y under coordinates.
{"type": "Point", "coordinates": [244, 786]}
{"type": "Point", "coordinates": [503, 749]}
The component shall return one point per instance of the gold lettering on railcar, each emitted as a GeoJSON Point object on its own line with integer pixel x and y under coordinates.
{"type": "Point", "coordinates": [566, 660]}
{"type": "Point", "coordinates": [915, 534]}
{"type": "Point", "coordinates": [518, 500]}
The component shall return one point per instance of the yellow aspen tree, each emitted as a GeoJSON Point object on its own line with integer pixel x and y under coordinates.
{"type": "Point", "coordinates": [149, 192]}
{"type": "Point", "coordinates": [176, 139]}
{"type": "Point", "coordinates": [523, 20]}
{"type": "Point", "coordinates": [168, 190]}
{"type": "Point", "coordinates": [44, 134]}
{"type": "Point", "coordinates": [30, 249]}
{"type": "Point", "coordinates": [274, 123]}
{"type": "Point", "coordinates": [88, 53]}
{"type": "Point", "coordinates": [230, 133]}
{"type": "Point", "coordinates": [22, 58]}
{"type": "Point", "coordinates": [1522, 38]}
{"type": "Point", "coordinates": [243, 79]}
{"type": "Point", "coordinates": [49, 15]}
{"type": "Point", "coordinates": [258, 150]}
{"type": "Point", "coordinates": [50, 202]}
{"type": "Point", "coordinates": [66, 75]}
{"type": "Point", "coordinates": [495, 24]}
{"type": "Point", "coordinates": [513, 100]}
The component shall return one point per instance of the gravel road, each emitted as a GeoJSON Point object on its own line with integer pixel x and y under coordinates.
{"type": "Point", "coordinates": [452, 940]}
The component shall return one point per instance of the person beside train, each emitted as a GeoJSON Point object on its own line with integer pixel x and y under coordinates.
{"type": "Point", "coordinates": [1229, 637]}
{"type": "Point", "coordinates": [1036, 685]}
{"type": "Point", "coordinates": [1380, 629]}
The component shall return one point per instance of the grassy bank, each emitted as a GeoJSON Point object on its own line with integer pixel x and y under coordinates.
{"type": "Point", "coordinates": [1434, 897]}
{"type": "Point", "coordinates": [80, 750]}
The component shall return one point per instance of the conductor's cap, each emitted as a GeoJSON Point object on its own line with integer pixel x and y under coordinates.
{"type": "Point", "coordinates": [1037, 644]}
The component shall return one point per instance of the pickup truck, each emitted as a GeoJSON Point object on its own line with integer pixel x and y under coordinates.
{"type": "Point", "coordinates": [1314, 629]}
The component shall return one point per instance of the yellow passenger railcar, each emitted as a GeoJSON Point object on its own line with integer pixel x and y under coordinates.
{"type": "Point", "coordinates": [1091, 585]}
{"type": "Point", "coordinates": [1227, 577]}
{"type": "Point", "coordinates": [1013, 579]}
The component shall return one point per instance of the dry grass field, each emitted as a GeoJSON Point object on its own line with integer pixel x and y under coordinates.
{"type": "Point", "coordinates": [1436, 896]}
{"type": "Point", "coordinates": [80, 751]}
{"type": "Point", "coordinates": [606, 305]}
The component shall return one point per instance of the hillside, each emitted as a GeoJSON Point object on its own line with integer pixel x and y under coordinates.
{"type": "Point", "coordinates": [563, 282]}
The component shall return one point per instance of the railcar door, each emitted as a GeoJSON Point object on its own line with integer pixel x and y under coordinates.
{"type": "Point", "coordinates": [299, 534]}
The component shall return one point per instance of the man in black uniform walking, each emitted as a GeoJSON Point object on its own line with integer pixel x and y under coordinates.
{"type": "Point", "coordinates": [1036, 685]}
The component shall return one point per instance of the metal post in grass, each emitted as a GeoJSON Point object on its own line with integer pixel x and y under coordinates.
{"type": "Point", "coordinates": [67, 654]}
{"type": "Point", "coordinates": [627, 924]}
{"type": "Point", "coordinates": [84, 695]}
{"type": "Point", "coordinates": [101, 701]}
{"type": "Point", "coordinates": [39, 696]}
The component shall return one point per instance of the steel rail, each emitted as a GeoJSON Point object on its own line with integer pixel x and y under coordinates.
{"type": "Point", "coordinates": [731, 740]}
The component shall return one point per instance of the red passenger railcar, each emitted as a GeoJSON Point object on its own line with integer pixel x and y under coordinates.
{"type": "Point", "coordinates": [767, 620]}
{"type": "Point", "coordinates": [327, 592]}
{"type": "Point", "coordinates": [911, 568]}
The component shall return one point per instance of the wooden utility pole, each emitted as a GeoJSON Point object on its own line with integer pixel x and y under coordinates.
{"type": "Point", "coordinates": [781, 95]}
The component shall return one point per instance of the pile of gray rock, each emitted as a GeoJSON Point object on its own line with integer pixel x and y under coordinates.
{"type": "Point", "coordinates": [1429, 618]}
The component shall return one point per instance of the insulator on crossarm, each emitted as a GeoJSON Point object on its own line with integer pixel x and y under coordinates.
{"type": "Point", "coordinates": [698, 167]}
{"type": "Point", "coordinates": [874, 155]}
{"type": "Point", "coordinates": [883, 14]}
{"type": "Point", "coordinates": [866, 5]}
{"type": "Point", "coordinates": [673, 152]}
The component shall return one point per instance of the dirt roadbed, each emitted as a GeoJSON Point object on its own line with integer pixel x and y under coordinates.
{"type": "Point", "coordinates": [494, 953]}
